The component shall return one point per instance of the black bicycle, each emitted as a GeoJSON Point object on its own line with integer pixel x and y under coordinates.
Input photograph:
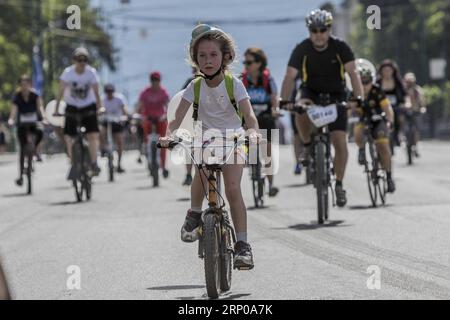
{"type": "Point", "coordinates": [216, 234]}
{"type": "Point", "coordinates": [27, 152]}
{"type": "Point", "coordinates": [110, 120]}
{"type": "Point", "coordinates": [81, 172]}
{"type": "Point", "coordinates": [411, 130]}
{"type": "Point", "coordinates": [376, 176]}
{"type": "Point", "coordinates": [321, 171]}
{"type": "Point", "coordinates": [258, 181]}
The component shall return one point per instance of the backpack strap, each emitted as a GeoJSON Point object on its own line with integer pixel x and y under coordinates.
{"type": "Point", "coordinates": [197, 86]}
{"type": "Point", "coordinates": [229, 85]}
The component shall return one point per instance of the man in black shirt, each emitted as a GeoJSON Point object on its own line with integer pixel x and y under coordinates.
{"type": "Point", "coordinates": [321, 62]}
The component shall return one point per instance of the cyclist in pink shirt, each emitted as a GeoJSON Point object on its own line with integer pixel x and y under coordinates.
{"type": "Point", "coordinates": [153, 102]}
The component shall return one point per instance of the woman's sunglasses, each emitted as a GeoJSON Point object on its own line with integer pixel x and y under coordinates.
{"type": "Point", "coordinates": [248, 62]}
{"type": "Point", "coordinates": [81, 60]}
{"type": "Point", "coordinates": [321, 30]}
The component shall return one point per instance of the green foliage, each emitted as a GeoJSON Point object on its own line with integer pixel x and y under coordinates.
{"type": "Point", "coordinates": [26, 23]}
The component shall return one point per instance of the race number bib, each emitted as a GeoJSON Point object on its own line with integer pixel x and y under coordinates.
{"type": "Point", "coordinates": [321, 116]}
{"type": "Point", "coordinates": [30, 117]}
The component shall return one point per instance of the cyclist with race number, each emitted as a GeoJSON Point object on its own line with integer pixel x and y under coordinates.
{"type": "Point", "coordinates": [116, 107]}
{"type": "Point", "coordinates": [212, 51]}
{"type": "Point", "coordinates": [79, 87]}
{"type": "Point", "coordinates": [375, 103]}
{"type": "Point", "coordinates": [153, 102]}
{"type": "Point", "coordinates": [263, 92]}
{"type": "Point", "coordinates": [27, 112]}
{"type": "Point", "coordinates": [321, 61]}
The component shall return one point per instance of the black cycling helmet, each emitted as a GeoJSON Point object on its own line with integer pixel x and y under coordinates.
{"type": "Point", "coordinates": [80, 52]}
{"type": "Point", "coordinates": [319, 19]}
{"type": "Point", "coordinates": [109, 87]}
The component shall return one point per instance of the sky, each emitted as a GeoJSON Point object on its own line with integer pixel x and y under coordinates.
{"type": "Point", "coordinates": [154, 35]}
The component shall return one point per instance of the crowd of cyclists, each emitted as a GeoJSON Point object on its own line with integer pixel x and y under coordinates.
{"type": "Point", "coordinates": [315, 75]}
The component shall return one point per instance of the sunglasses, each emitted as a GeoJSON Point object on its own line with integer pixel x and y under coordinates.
{"type": "Point", "coordinates": [321, 30]}
{"type": "Point", "coordinates": [81, 60]}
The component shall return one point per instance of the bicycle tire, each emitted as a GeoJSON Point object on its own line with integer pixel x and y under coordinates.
{"type": "Point", "coordinates": [111, 167]}
{"type": "Point", "coordinates": [211, 259]}
{"type": "Point", "coordinates": [226, 260]}
{"type": "Point", "coordinates": [29, 173]}
{"type": "Point", "coordinates": [320, 182]}
{"type": "Point", "coordinates": [382, 189]}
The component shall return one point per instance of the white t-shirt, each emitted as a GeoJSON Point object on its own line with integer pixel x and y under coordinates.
{"type": "Point", "coordinates": [79, 92]}
{"type": "Point", "coordinates": [115, 105]}
{"type": "Point", "coordinates": [215, 110]}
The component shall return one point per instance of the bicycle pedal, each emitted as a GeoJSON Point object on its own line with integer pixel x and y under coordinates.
{"type": "Point", "coordinates": [242, 268]}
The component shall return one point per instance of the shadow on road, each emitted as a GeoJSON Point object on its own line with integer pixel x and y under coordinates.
{"type": "Point", "coordinates": [235, 296]}
{"type": "Point", "coordinates": [177, 287]}
{"type": "Point", "coordinates": [183, 199]}
{"type": "Point", "coordinates": [314, 225]}
{"type": "Point", "coordinates": [258, 208]}
{"type": "Point", "coordinates": [145, 188]}
{"type": "Point", "coordinates": [64, 203]}
{"type": "Point", "coordinates": [297, 185]}
{"type": "Point", "coordinates": [365, 207]}
{"type": "Point", "coordinates": [16, 195]}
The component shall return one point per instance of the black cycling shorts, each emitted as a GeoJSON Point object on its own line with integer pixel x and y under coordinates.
{"type": "Point", "coordinates": [379, 131]}
{"type": "Point", "coordinates": [116, 127]}
{"type": "Point", "coordinates": [24, 129]}
{"type": "Point", "coordinates": [267, 123]}
{"type": "Point", "coordinates": [341, 122]}
{"type": "Point", "coordinates": [89, 119]}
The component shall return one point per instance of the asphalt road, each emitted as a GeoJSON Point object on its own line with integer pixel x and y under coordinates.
{"type": "Point", "coordinates": [125, 243]}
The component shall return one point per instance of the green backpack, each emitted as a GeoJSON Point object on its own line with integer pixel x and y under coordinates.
{"type": "Point", "coordinates": [230, 90]}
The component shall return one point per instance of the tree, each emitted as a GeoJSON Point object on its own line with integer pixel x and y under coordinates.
{"type": "Point", "coordinates": [24, 24]}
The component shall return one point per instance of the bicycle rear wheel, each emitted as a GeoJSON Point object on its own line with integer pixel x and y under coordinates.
{"type": "Point", "coordinates": [111, 167]}
{"type": "Point", "coordinates": [29, 173]}
{"type": "Point", "coordinates": [211, 245]}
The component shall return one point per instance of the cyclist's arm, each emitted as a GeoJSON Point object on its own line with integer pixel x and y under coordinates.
{"type": "Point", "coordinates": [13, 114]}
{"type": "Point", "coordinates": [350, 68]}
{"type": "Point", "coordinates": [180, 113]}
{"type": "Point", "coordinates": [249, 116]}
{"type": "Point", "coordinates": [40, 106]}
{"type": "Point", "coordinates": [97, 96]}
{"type": "Point", "coordinates": [288, 83]}
{"type": "Point", "coordinates": [62, 88]}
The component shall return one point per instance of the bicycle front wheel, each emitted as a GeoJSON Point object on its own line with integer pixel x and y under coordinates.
{"type": "Point", "coordinates": [29, 173]}
{"type": "Point", "coordinates": [211, 243]}
{"type": "Point", "coordinates": [226, 259]}
{"type": "Point", "coordinates": [321, 183]}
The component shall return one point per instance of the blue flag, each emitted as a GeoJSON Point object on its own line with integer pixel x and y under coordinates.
{"type": "Point", "coordinates": [38, 74]}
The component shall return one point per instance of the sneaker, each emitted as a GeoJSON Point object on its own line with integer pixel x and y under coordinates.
{"type": "Point", "coordinates": [188, 180]}
{"type": "Point", "coordinates": [120, 169]}
{"type": "Point", "coordinates": [189, 231]}
{"type": "Point", "coordinates": [243, 257]}
{"type": "Point", "coordinates": [19, 181]}
{"type": "Point", "coordinates": [341, 199]}
{"type": "Point", "coordinates": [361, 157]}
{"type": "Point", "coordinates": [165, 173]}
{"type": "Point", "coordinates": [306, 156]}
{"type": "Point", "coordinates": [273, 191]}
{"type": "Point", "coordinates": [298, 168]}
{"type": "Point", "coordinates": [38, 157]}
{"type": "Point", "coordinates": [390, 185]}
